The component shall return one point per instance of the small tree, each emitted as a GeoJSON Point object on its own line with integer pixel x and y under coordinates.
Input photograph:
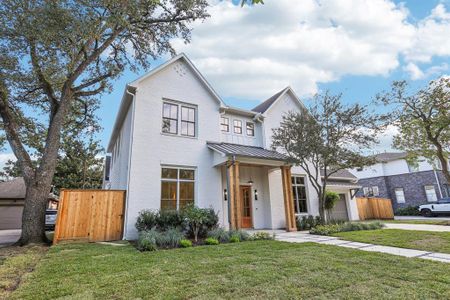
{"type": "Point", "coordinates": [423, 119]}
{"type": "Point", "coordinates": [330, 201]}
{"type": "Point", "coordinates": [328, 138]}
{"type": "Point", "coordinates": [196, 219]}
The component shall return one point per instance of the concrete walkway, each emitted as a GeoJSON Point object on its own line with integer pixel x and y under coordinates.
{"type": "Point", "coordinates": [423, 227]}
{"type": "Point", "coordinates": [304, 237]}
{"type": "Point", "coordinates": [442, 218]}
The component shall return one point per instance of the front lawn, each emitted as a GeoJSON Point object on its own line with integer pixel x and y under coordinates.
{"type": "Point", "coordinates": [256, 270]}
{"type": "Point", "coordinates": [413, 239]}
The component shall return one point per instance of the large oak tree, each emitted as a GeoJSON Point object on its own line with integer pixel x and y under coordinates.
{"type": "Point", "coordinates": [55, 56]}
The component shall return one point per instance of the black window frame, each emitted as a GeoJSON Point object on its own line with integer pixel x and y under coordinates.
{"type": "Point", "coordinates": [170, 118]}
{"type": "Point", "coordinates": [252, 128]}
{"type": "Point", "coordinates": [235, 126]}
{"type": "Point", "coordinates": [187, 121]}
{"type": "Point", "coordinates": [224, 124]}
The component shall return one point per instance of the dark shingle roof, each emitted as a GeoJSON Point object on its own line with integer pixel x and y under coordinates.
{"type": "Point", "coordinates": [261, 108]}
{"type": "Point", "coordinates": [13, 189]}
{"type": "Point", "coordinates": [341, 174]}
{"type": "Point", "coordinates": [248, 151]}
{"type": "Point", "coordinates": [389, 156]}
{"type": "Point", "coordinates": [343, 184]}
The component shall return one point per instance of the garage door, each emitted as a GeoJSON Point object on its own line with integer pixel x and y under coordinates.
{"type": "Point", "coordinates": [339, 211]}
{"type": "Point", "coordinates": [10, 217]}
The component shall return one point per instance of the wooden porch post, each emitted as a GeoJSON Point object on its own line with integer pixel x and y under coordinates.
{"type": "Point", "coordinates": [288, 198]}
{"type": "Point", "coordinates": [234, 195]}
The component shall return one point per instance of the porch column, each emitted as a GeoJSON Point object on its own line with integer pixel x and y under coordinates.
{"type": "Point", "coordinates": [234, 195]}
{"type": "Point", "coordinates": [288, 198]}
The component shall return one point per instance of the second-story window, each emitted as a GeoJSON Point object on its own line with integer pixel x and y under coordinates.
{"type": "Point", "coordinates": [224, 124]}
{"type": "Point", "coordinates": [250, 129]}
{"type": "Point", "coordinates": [170, 118]}
{"type": "Point", "coordinates": [181, 116]}
{"type": "Point", "coordinates": [187, 121]}
{"type": "Point", "coordinates": [237, 125]}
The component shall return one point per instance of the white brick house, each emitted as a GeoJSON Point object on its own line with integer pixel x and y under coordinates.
{"type": "Point", "coordinates": [175, 142]}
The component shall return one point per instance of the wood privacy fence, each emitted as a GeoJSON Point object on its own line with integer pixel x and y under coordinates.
{"type": "Point", "coordinates": [374, 208]}
{"type": "Point", "coordinates": [90, 215]}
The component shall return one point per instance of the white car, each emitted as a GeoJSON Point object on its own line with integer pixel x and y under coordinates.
{"type": "Point", "coordinates": [442, 206]}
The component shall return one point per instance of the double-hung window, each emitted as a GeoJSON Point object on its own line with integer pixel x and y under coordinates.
{"type": "Point", "coordinates": [177, 188]}
{"type": "Point", "coordinates": [430, 193]}
{"type": "Point", "coordinates": [250, 129]}
{"type": "Point", "coordinates": [237, 124]}
{"type": "Point", "coordinates": [299, 192]}
{"type": "Point", "coordinates": [399, 195]}
{"type": "Point", "coordinates": [179, 116]}
{"type": "Point", "coordinates": [224, 124]}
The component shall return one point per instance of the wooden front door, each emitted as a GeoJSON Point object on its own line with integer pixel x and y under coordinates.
{"type": "Point", "coordinates": [246, 207]}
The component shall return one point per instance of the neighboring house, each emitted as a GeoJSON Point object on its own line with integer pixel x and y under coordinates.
{"type": "Point", "coordinates": [175, 142]}
{"type": "Point", "coordinates": [12, 196]}
{"type": "Point", "coordinates": [405, 184]}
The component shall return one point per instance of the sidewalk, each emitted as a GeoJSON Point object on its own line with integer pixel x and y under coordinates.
{"type": "Point", "coordinates": [423, 227]}
{"type": "Point", "coordinates": [304, 237]}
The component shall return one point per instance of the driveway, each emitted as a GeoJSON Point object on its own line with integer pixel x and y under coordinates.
{"type": "Point", "coordinates": [443, 218]}
{"type": "Point", "coordinates": [9, 236]}
{"type": "Point", "coordinates": [423, 227]}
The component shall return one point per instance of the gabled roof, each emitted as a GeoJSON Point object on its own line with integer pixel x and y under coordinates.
{"type": "Point", "coordinates": [390, 156]}
{"type": "Point", "coordinates": [341, 174]}
{"type": "Point", "coordinates": [262, 107]}
{"type": "Point", "coordinates": [16, 189]}
{"type": "Point", "coordinates": [229, 149]}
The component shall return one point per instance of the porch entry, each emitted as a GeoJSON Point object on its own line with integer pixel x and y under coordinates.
{"type": "Point", "coordinates": [246, 205]}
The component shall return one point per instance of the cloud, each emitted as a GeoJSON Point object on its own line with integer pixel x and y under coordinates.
{"type": "Point", "coordinates": [4, 157]}
{"type": "Point", "coordinates": [416, 73]}
{"type": "Point", "coordinates": [252, 52]}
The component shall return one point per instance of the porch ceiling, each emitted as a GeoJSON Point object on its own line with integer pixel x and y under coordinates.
{"type": "Point", "coordinates": [237, 150]}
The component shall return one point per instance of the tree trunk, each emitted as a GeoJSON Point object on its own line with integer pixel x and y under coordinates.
{"type": "Point", "coordinates": [444, 163]}
{"type": "Point", "coordinates": [33, 216]}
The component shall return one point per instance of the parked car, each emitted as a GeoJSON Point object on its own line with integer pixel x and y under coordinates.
{"type": "Point", "coordinates": [50, 219]}
{"type": "Point", "coordinates": [442, 206]}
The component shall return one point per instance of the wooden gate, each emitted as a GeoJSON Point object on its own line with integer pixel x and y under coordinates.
{"type": "Point", "coordinates": [90, 215]}
{"type": "Point", "coordinates": [374, 208]}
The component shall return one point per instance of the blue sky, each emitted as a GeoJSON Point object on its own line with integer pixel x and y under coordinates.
{"type": "Point", "coordinates": [357, 47]}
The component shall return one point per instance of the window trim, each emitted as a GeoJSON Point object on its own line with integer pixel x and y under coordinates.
{"type": "Point", "coordinates": [403, 194]}
{"type": "Point", "coordinates": [178, 180]}
{"type": "Point", "coordinates": [179, 106]}
{"type": "Point", "coordinates": [426, 194]}
{"type": "Point", "coordinates": [223, 124]}
{"type": "Point", "coordinates": [295, 196]}
{"type": "Point", "coordinates": [187, 121]}
{"type": "Point", "coordinates": [252, 129]}
{"type": "Point", "coordinates": [234, 126]}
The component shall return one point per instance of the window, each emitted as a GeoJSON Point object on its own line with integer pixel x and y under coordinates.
{"type": "Point", "coordinates": [299, 192]}
{"type": "Point", "coordinates": [399, 195]}
{"type": "Point", "coordinates": [237, 126]}
{"type": "Point", "coordinates": [430, 192]}
{"type": "Point", "coordinates": [366, 191]}
{"type": "Point", "coordinates": [375, 191]}
{"type": "Point", "coordinates": [178, 116]}
{"type": "Point", "coordinates": [371, 191]}
{"type": "Point", "coordinates": [359, 169]}
{"type": "Point", "coordinates": [250, 129]}
{"type": "Point", "coordinates": [224, 124]}
{"type": "Point", "coordinates": [177, 188]}
{"type": "Point", "coordinates": [187, 121]}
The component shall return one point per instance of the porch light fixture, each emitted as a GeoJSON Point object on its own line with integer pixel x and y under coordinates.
{"type": "Point", "coordinates": [256, 194]}
{"type": "Point", "coordinates": [225, 195]}
{"type": "Point", "coordinates": [250, 182]}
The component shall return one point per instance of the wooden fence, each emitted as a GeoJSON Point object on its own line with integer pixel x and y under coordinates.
{"type": "Point", "coordinates": [90, 215]}
{"type": "Point", "coordinates": [374, 208]}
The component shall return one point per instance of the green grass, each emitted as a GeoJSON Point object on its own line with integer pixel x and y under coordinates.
{"type": "Point", "coordinates": [254, 270]}
{"type": "Point", "coordinates": [413, 239]}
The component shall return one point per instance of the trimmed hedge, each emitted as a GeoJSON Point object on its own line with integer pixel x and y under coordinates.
{"type": "Point", "coordinates": [407, 211]}
{"type": "Point", "coordinates": [348, 226]}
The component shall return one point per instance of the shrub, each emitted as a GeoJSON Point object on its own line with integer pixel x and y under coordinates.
{"type": "Point", "coordinates": [330, 199]}
{"type": "Point", "coordinates": [308, 222]}
{"type": "Point", "coordinates": [211, 241]}
{"type": "Point", "coordinates": [243, 235]}
{"type": "Point", "coordinates": [261, 236]}
{"type": "Point", "coordinates": [170, 219]}
{"type": "Point", "coordinates": [408, 211]}
{"type": "Point", "coordinates": [211, 221]}
{"type": "Point", "coordinates": [199, 220]}
{"type": "Point", "coordinates": [146, 220]}
{"type": "Point", "coordinates": [147, 240]}
{"type": "Point", "coordinates": [185, 243]}
{"type": "Point", "coordinates": [220, 234]}
{"type": "Point", "coordinates": [235, 238]}
{"type": "Point", "coordinates": [348, 226]}
{"type": "Point", "coordinates": [170, 238]}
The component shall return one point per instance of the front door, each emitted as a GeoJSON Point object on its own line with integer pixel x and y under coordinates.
{"type": "Point", "coordinates": [246, 207]}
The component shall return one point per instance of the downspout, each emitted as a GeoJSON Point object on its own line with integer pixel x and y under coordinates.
{"type": "Point", "coordinates": [130, 152]}
{"type": "Point", "coordinates": [437, 181]}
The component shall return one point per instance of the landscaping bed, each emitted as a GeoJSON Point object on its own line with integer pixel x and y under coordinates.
{"type": "Point", "coordinates": [256, 270]}
{"type": "Point", "coordinates": [412, 239]}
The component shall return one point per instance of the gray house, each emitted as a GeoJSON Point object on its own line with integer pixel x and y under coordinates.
{"type": "Point", "coordinates": [405, 184]}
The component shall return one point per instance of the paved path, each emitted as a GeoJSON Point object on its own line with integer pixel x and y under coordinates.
{"type": "Point", "coordinates": [423, 227]}
{"type": "Point", "coordinates": [303, 237]}
{"type": "Point", "coordinates": [442, 218]}
{"type": "Point", "coordinates": [9, 236]}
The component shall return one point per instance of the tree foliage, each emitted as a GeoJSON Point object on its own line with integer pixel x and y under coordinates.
{"type": "Point", "coordinates": [328, 138]}
{"type": "Point", "coordinates": [56, 57]}
{"type": "Point", "coordinates": [423, 120]}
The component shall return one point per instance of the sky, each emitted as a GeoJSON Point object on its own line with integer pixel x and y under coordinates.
{"type": "Point", "coordinates": [357, 47]}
